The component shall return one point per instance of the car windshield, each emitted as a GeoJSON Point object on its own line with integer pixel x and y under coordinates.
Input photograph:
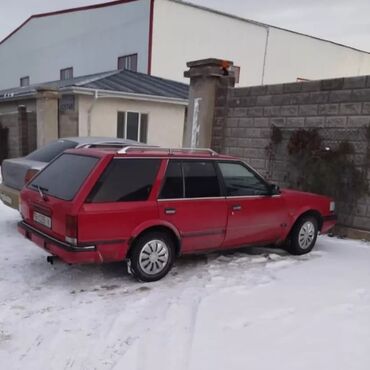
{"type": "Point", "coordinates": [48, 152]}
{"type": "Point", "coordinates": [64, 177]}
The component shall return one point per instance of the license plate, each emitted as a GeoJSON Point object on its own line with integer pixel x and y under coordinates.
{"type": "Point", "coordinates": [42, 219]}
{"type": "Point", "coordinates": [6, 199]}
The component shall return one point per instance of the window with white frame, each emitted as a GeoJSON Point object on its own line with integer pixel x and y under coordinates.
{"type": "Point", "coordinates": [128, 62]}
{"type": "Point", "coordinates": [132, 126]}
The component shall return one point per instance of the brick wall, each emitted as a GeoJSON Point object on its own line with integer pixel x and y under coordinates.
{"type": "Point", "coordinates": [339, 108]}
{"type": "Point", "coordinates": [22, 131]}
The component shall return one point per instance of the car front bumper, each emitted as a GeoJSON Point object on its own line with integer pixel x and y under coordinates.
{"type": "Point", "coordinates": [9, 196]}
{"type": "Point", "coordinates": [328, 223]}
{"type": "Point", "coordinates": [71, 254]}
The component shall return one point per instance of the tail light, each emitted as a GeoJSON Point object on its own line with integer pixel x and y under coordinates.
{"type": "Point", "coordinates": [29, 175]}
{"type": "Point", "coordinates": [71, 229]}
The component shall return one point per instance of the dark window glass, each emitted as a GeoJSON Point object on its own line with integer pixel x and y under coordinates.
{"type": "Point", "coordinates": [239, 180]}
{"type": "Point", "coordinates": [173, 187]}
{"type": "Point", "coordinates": [125, 180]}
{"type": "Point", "coordinates": [132, 126]}
{"type": "Point", "coordinates": [66, 73]}
{"type": "Point", "coordinates": [52, 150]}
{"type": "Point", "coordinates": [64, 177]}
{"type": "Point", "coordinates": [128, 62]}
{"type": "Point", "coordinates": [144, 128]}
{"type": "Point", "coordinates": [25, 81]}
{"type": "Point", "coordinates": [121, 125]}
{"type": "Point", "coordinates": [200, 179]}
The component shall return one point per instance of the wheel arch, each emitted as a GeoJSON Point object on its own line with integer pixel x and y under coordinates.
{"type": "Point", "coordinates": [161, 227]}
{"type": "Point", "coordinates": [310, 212]}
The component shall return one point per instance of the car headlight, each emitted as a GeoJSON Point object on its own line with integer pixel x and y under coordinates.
{"type": "Point", "coordinates": [332, 206]}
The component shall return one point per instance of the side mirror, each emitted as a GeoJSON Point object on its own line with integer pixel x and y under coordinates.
{"type": "Point", "coordinates": [273, 189]}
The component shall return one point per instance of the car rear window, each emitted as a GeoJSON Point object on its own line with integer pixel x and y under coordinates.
{"type": "Point", "coordinates": [64, 177]}
{"type": "Point", "coordinates": [125, 180]}
{"type": "Point", "coordinates": [48, 152]}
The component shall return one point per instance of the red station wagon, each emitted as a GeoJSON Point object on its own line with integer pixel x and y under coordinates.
{"type": "Point", "coordinates": [149, 205]}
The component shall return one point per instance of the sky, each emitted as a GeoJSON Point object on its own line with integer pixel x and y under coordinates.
{"type": "Point", "coordinates": [342, 21]}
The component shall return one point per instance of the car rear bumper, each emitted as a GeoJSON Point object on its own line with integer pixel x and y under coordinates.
{"type": "Point", "coordinates": [328, 223]}
{"type": "Point", "coordinates": [80, 254]}
{"type": "Point", "coordinates": [9, 196]}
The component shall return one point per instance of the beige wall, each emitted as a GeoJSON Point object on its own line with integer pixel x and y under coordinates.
{"type": "Point", "coordinates": [165, 122]}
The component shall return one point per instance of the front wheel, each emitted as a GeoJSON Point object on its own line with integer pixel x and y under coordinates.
{"type": "Point", "coordinates": [152, 256]}
{"type": "Point", "coordinates": [303, 236]}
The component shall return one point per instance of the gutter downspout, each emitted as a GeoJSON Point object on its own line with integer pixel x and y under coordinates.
{"type": "Point", "coordinates": [265, 55]}
{"type": "Point", "coordinates": [96, 97]}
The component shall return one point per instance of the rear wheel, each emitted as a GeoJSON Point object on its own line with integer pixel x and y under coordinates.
{"type": "Point", "coordinates": [303, 236]}
{"type": "Point", "coordinates": [152, 256]}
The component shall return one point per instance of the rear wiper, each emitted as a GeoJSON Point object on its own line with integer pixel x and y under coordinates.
{"type": "Point", "coordinates": [40, 190]}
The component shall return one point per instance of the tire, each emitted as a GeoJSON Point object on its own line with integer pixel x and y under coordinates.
{"type": "Point", "coordinates": [152, 256]}
{"type": "Point", "coordinates": [303, 236]}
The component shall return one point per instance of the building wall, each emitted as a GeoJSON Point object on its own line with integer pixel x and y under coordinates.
{"type": "Point", "coordinates": [338, 108]}
{"type": "Point", "coordinates": [183, 33]}
{"type": "Point", "coordinates": [165, 121]}
{"type": "Point", "coordinates": [89, 40]}
{"type": "Point", "coordinates": [290, 55]}
{"type": "Point", "coordinates": [92, 40]}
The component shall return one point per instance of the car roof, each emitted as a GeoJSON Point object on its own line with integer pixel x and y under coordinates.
{"type": "Point", "coordinates": [152, 152]}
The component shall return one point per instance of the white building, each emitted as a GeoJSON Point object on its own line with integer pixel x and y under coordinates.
{"type": "Point", "coordinates": [158, 37]}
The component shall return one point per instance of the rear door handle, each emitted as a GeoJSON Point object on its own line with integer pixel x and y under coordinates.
{"type": "Point", "coordinates": [170, 211]}
{"type": "Point", "coordinates": [236, 207]}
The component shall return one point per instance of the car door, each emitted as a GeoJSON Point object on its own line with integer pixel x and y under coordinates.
{"type": "Point", "coordinates": [191, 200]}
{"type": "Point", "coordinates": [254, 215]}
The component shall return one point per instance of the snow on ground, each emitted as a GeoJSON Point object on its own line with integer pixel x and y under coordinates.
{"type": "Point", "coordinates": [253, 309]}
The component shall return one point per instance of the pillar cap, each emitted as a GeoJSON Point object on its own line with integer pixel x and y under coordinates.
{"type": "Point", "coordinates": [210, 67]}
{"type": "Point", "coordinates": [209, 62]}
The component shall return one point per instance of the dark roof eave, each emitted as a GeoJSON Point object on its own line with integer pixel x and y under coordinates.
{"type": "Point", "coordinates": [13, 97]}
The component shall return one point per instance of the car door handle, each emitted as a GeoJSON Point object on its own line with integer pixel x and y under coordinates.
{"type": "Point", "coordinates": [236, 207]}
{"type": "Point", "coordinates": [170, 211]}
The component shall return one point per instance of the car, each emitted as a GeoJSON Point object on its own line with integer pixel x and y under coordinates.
{"type": "Point", "coordinates": [149, 205]}
{"type": "Point", "coordinates": [18, 171]}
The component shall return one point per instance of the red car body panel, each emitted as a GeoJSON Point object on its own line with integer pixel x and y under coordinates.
{"type": "Point", "coordinates": [106, 230]}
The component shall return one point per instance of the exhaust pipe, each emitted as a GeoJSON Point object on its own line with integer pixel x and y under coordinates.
{"type": "Point", "coordinates": [51, 259]}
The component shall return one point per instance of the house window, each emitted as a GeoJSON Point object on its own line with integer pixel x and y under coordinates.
{"type": "Point", "coordinates": [66, 73]}
{"type": "Point", "coordinates": [132, 126]}
{"type": "Point", "coordinates": [128, 62]}
{"type": "Point", "coordinates": [25, 81]}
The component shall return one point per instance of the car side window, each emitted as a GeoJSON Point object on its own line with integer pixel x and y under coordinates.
{"type": "Point", "coordinates": [173, 187]}
{"type": "Point", "coordinates": [201, 179]}
{"type": "Point", "coordinates": [240, 181]}
{"type": "Point", "coordinates": [125, 180]}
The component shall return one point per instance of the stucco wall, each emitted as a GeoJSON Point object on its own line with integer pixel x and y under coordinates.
{"type": "Point", "coordinates": [165, 122]}
{"type": "Point", "coordinates": [89, 40]}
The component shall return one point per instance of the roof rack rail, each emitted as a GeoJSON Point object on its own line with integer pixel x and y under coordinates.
{"type": "Point", "coordinates": [169, 151]}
